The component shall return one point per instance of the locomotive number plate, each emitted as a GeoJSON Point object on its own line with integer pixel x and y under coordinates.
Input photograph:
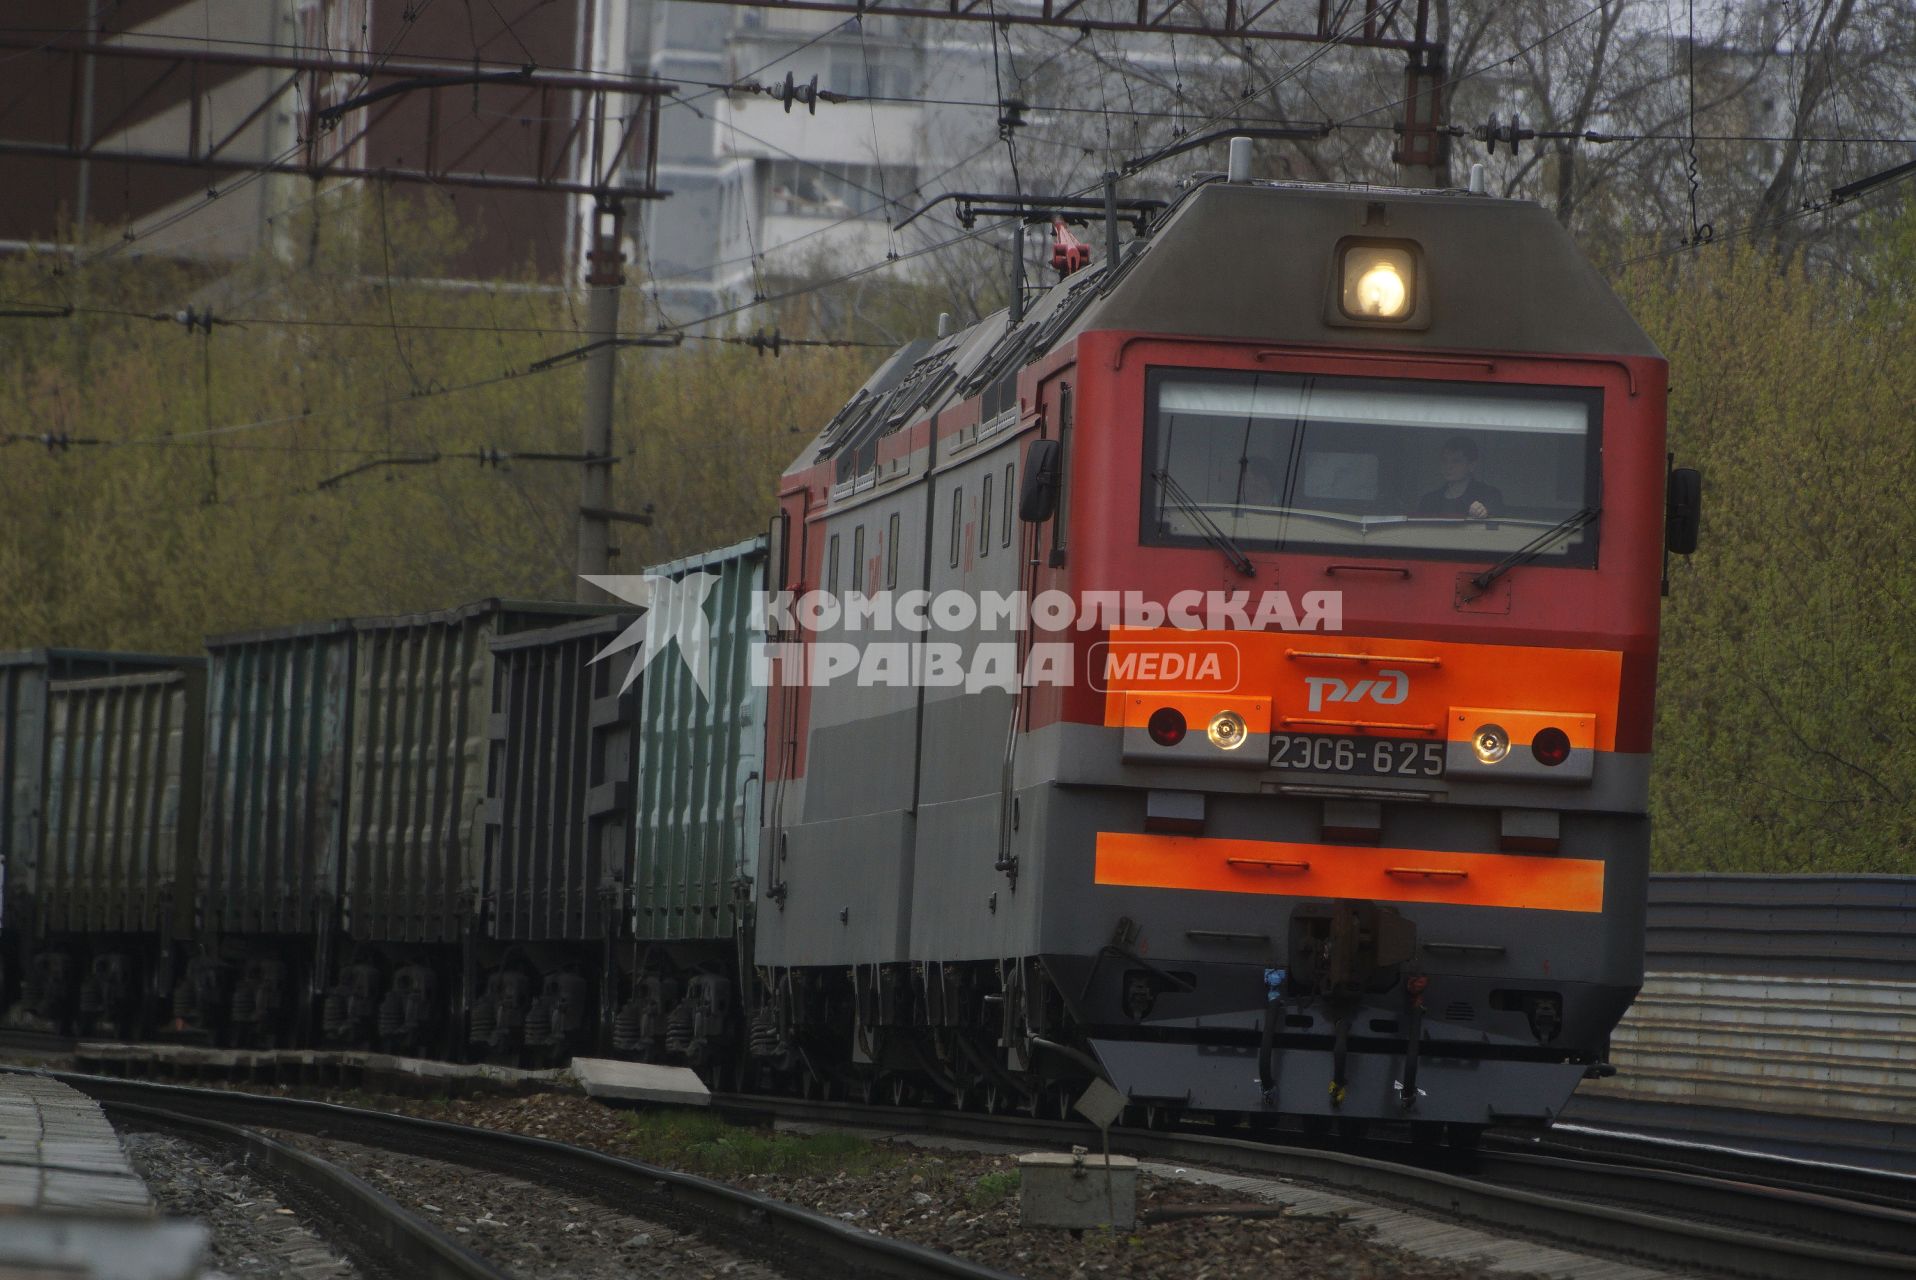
{"type": "Point", "coordinates": [1369, 757]}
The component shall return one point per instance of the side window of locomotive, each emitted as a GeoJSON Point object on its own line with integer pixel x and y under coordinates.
{"type": "Point", "coordinates": [957, 522]}
{"type": "Point", "coordinates": [1062, 520]}
{"type": "Point", "coordinates": [1369, 465]}
{"type": "Point", "coordinates": [1011, 487]}
{"type": "Point", "coordinates": [984, 518]}
{"type": "Point", "coordinates": [891, 552]}
{"type": "Point", "coordinates": [831, 566]}
{"type": "Point", "coordinates": [858, 558]}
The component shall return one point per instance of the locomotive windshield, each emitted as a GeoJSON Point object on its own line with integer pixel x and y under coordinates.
{"type": "Point", "coordinates": [1366, 465]}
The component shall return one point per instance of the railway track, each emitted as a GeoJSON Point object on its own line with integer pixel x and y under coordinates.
{"type": "Point", "coordinates": [1674, 1217]}
{"type": "Point", "coordinates": [795, 1242]}
{"type": "Point", "coordinates": [1791, 1173]}
{"type": "Point", "coordinates": [1616, 1202]}
{"type": "Point", "coordinates": [381, 1238]}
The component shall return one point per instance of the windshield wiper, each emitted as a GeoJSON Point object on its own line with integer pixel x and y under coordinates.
{"type": "Point", "coordinates": [1206, 526]}
{"type": "Point", "coordinates": [1535, 547]}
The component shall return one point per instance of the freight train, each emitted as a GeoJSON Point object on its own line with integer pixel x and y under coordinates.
{"type": "Point", "coordinates": [1230, 676]}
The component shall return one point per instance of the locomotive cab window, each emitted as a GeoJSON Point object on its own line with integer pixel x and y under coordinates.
{"type": "Point", "coordinates": [1368, 465]}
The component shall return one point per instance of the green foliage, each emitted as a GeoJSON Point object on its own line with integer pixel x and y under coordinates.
{"type": "Point", "coordinates": [991, 1188]}
{"type": "Point", "coordinates": [705, 1143]}
{"type": "Point", "coordinates": [1786, 729]}
{"type": "Point", "coordinates": [205, 506]}
{"type": "Point", "coordinates": [1786, 733]}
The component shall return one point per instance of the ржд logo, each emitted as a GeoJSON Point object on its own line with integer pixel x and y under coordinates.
{"type": "Point", "coordinates": [1388, 688]}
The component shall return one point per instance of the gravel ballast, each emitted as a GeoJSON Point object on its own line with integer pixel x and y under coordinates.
{"type": "Point", "coordinates": [533, 1231]}
{"type": "Point", "coordinates": [251, 1233]}
{"type": "Point", "coordinates": [965, 1203]}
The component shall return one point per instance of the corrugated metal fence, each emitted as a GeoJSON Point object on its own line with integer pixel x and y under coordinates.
{"type": "Point", "coordinates": [1803, 926]}
{"type": "Point", "coordinates": [1776, 1010]}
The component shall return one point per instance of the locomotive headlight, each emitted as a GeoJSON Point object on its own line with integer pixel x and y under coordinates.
{"type": "Point", "coordinates": [1490, 743]}
{"type": "Point", "coordinates": [1381, 291]}
{"type": "Point", "coordinates": [1227, 730]}
{"type": "Point", "coordinates": [1379, 282]}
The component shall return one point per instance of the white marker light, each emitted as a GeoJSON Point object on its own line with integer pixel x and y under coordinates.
{"type": "Point", "coordinates": [1490, 743]}
{"type": "Point", "coordinates": [1227, 730]}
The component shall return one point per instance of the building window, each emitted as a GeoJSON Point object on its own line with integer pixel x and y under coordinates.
{"type": "Point", "coordinates": [835, 190]}
{"type": "Point", "coordinates": [831, 565]}
{"type": "Point", "coordinates": [858, 558]}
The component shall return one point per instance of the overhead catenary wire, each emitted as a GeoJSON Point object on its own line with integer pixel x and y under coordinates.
{"type": "Point", "coordinates": [746, 84]}
{"type": "Point", "coordinates": [429, 391]}
{"type": "Point", "coordinates": [1843, 194]}
{"type": "Point", "coordinates": [1319, 51]}
{"type": "Point", "coordinates": [419, 391]}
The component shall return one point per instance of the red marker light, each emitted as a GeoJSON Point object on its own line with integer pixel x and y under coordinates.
{"type": "Point", "coordinates": [1550, 746]}
{"type": "Point", "coordinates": [1166, 726]}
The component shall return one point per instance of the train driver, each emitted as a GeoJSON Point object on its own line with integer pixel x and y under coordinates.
{"type": "Point", "coordinates": [1462, 495]}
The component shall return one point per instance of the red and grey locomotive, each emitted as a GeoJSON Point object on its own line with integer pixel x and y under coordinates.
{"type": "Point", "coordinates": [1364, 835]}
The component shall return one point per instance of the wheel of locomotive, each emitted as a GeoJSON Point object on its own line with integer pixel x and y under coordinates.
{"type": "Point", "coordinates": [1352, 1129]}
{"type": "Point", "coordinates": [1160, 1118]}
{"type": "Point", "coordinates": [1427, 1134]}
{"type": "Point", "coordinates": [997, 1098]}
{"type": "Point", "coordinates": [898, 1089]}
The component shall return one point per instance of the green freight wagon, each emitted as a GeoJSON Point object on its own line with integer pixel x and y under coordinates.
{"type": "Point", "coordinates": [700, 785]}
{"type": "Point", "coordinates": [562, 738]}
{"type": "Point", "coordinates": [413, 896]}
{"type": "Point", "coordinates": [279, 706]}
{"type": "Point", "coordinates": [99, 822]}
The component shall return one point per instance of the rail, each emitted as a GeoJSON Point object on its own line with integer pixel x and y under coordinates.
{"type": "Point", "coordinates": [1668, 1216]}
{"type": "Point", "coordinates": [790, 1239]}
{"type": "Point", "coordinates": [1661, 1212]}
{"type": "Point", "coordinates": [382, 1239]}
